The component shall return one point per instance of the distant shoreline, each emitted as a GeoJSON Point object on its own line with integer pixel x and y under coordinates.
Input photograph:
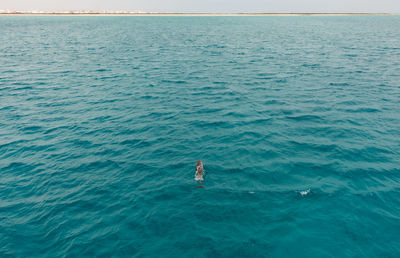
{"type": "Point", "coordinates": [179, 14]}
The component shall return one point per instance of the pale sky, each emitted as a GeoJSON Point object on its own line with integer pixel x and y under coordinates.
{"type": "Point", "coordinates": [392, 6]}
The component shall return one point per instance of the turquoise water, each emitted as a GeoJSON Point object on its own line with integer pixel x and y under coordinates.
{"type": "Point", "coordinates": [296, 119]}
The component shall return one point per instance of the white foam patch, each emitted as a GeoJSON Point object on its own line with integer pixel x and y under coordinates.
{"type": "Point", "coordinates": [305, 192]}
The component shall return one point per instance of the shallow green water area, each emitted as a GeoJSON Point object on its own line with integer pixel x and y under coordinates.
{"type": "Point", "coordinates": [296, 119]}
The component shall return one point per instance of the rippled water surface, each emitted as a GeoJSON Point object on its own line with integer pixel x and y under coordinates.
{"type": "Point", "coordinates": [296, 119]}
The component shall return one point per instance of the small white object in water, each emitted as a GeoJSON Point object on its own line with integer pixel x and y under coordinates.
{"type": "Point", "coordinates": [305, 192]}
{"type": "Point", "coordinates": [251, 192]}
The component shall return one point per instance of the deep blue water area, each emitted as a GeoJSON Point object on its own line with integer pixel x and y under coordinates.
{"type": "Point", "coordinates": [296, 119]}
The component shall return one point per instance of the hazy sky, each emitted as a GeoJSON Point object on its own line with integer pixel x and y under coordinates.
{"type": "Point", "coordinates": [206, 5]}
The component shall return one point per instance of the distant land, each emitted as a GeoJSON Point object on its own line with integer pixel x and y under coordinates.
{"type": "Point", "coordinates": [7, 12]}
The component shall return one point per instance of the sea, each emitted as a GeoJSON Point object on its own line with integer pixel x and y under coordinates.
{"type": "Point", "coordinates": [295, 118]}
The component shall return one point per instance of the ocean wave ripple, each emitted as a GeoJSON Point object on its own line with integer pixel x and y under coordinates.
{"type": "Point", "coordinates": [296, 120]}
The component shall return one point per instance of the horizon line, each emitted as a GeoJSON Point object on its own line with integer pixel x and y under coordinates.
{"type": "Point", "coordinates": [94, 12]}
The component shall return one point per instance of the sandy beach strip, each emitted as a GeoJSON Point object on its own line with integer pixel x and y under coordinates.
{"type": "Point", "coordinates": [182, 14]}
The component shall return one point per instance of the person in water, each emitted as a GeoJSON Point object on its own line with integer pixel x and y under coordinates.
{"type": "Point", "coordinates": [199, 171]}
